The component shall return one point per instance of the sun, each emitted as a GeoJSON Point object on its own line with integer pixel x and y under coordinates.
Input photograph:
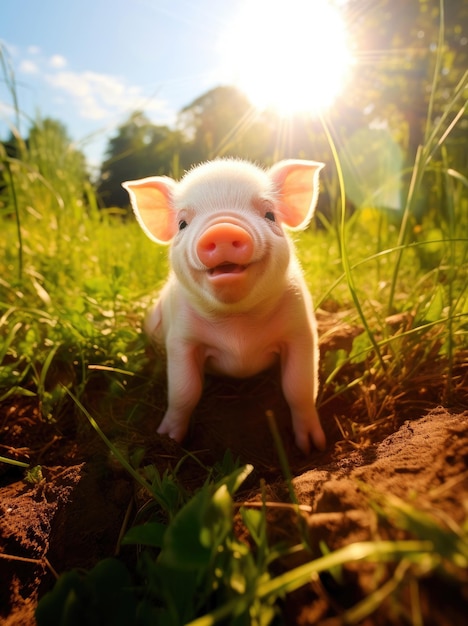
{"type": "Point", "coordinates": [290, 55]}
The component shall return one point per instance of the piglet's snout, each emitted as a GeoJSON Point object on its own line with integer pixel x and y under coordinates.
{"type": "Point", "coordinates": [225, 243]}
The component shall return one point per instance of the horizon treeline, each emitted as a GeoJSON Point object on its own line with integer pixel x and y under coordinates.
{"type": "Point", "coordinates": [381, 117]}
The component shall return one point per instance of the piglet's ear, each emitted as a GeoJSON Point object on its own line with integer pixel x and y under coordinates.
{"type": "Point", "coordinates": [151, 200]}
{"type": "Point", "coordinates": [297, 183]}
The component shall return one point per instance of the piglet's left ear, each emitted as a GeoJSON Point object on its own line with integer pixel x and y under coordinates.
{"type": "Point", "coordinates": [151, 200]}
{"type": "Point", "coordinates": [297, 183]}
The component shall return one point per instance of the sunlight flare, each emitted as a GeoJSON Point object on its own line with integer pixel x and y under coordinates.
{"type": "Point", "coordinates": [288, 55]}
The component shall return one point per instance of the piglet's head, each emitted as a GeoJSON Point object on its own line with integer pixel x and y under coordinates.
{"type": "Point", "coordinates": [224, 221]}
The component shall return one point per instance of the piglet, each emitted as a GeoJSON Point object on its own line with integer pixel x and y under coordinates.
{"type": "Point", "coordinates": [236, 301]}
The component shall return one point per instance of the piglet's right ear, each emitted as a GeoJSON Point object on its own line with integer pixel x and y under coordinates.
{"type": "Point", "coordinates": [151, 200]}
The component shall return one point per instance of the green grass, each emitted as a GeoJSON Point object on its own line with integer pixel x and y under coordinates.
{"type": "Point", "coordinates": [74, 286]}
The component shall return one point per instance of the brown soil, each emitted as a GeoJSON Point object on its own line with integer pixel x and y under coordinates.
{"type": "Point", "coordinates": [72, 512]}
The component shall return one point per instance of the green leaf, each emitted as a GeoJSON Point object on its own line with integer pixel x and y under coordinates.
{"type": "Point", "coordinates": [116, 602]}
{"type": "Point", "coordinates": [236, 478]}
{"type": "Point", "coordinates": [434, 310]}
{"type": "Point", "coordinates": [361, 349]}
{"type": "Point", "coordinates": [255, 522]}
{"type": "Point", "coordinates": [182, 546]}
{"type": "Point", "coordinates": [217, 521]}
{"type": "Point", "coordinates": [150, 534]}
{"type": "Point", "coordinates": [202, 524]}
{"type": "Point", "coordinates": [170, 595]}
{"type": "Point", "coordinates": [104, 596]}
{"type": "Point", "coordinates": [17, 391]}
{"type": "Point", "coordinates": [62, 604]}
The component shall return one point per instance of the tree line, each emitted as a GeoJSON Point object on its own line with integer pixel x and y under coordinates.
{"type": "Point", "coordinates": [392, 87]}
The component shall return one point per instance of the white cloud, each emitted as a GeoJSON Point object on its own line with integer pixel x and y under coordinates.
{"type": "Point", "coordinates": [70, 83]}
{"type": "Point", "coordinates": [57, 61]}
{"type": "Point", "coordinates": [98, 96]}
{"type": "Point", "coordinates": [103, 99]}
{"type": "Point", "coordinates": [28, 67]}
{"type": "Point", "coordinates": [6, 110]}
{"type": "Point", "coordinates": [81, 90]}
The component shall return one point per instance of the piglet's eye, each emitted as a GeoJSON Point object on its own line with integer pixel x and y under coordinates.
{"type": "Point", "coordinates": [269, 215]}
{"type": "Point", "coordinates": [183, 224]}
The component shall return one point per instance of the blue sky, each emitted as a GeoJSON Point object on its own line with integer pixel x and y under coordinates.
{"type": "Point", "coordinates": [91, 63]}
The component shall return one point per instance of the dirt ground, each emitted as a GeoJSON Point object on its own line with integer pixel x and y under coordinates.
{"type": "Point", "coordinates": [72, 512]}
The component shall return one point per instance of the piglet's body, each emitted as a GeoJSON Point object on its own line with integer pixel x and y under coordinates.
{"type": "Point", "coordinates": [236, 301]}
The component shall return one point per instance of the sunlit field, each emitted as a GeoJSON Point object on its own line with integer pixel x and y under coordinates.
{"type": "Point", "coordinates": [386, 260]}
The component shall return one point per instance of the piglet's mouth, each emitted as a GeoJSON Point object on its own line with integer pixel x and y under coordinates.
{"type": "Point", "coordinates": [226, 269]}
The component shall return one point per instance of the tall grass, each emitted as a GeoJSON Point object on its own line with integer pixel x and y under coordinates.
{"type": "Point", "coordinates": [442, 296]}
{"type": "Point", "coordinates": [75, 280]}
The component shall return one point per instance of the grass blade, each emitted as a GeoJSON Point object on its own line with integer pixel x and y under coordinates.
{"type": "Point", "coordinates": [122, 460]}
{"type": "Point", "coordinates": [344, 251]}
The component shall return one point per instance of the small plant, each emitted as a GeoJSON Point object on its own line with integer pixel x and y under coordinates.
{"type": "Point", "coordinates": [186, 566]}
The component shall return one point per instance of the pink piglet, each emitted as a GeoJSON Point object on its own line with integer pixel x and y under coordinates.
{"type": "Point", "coordinates": [236, 301]}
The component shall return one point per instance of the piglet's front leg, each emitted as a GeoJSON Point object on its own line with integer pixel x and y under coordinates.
{"type": "Point", "coordinates": [185, 385]}
{"type": "Point", "coordinates": [299, 383]}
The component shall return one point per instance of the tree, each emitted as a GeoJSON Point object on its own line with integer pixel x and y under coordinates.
{"type": "Point", "coordinates": [46, 170]}
{"type": "Point", "coordinates": [57, 160]}
{"type": "Point", "coordinates": [222, 122]}
{"type": "Point", "coordinates": [396, 43]}
{"type": "Point", "coordinates": [139, 149]}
